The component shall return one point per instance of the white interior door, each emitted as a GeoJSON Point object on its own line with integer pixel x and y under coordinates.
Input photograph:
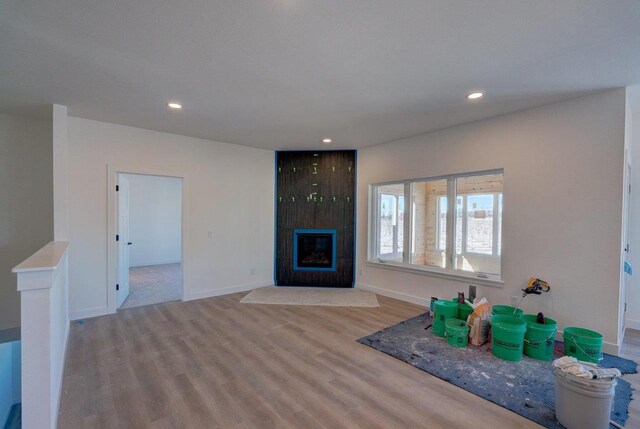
{"type": "Point", "coordinates": [123, 240]}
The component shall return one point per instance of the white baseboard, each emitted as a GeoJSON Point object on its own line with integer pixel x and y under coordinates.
{"type": "Point", "coordinates": [632, 324]}
{"type": "Point", "coordinates": [393, 294]}
{"type": "Point", "coordinates": [88, 312]}
{"type": "Point", "coordinates": [155, 262]}
{"type": "Point", "coordinates": [610, 348]}
{"type": "Point", "coordinates": [225, 291]}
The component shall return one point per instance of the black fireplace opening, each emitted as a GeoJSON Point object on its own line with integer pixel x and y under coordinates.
{"type": "Point", "coordinates": [314, 249]}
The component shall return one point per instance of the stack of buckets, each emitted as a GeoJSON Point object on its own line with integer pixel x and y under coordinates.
{"type": "Point", "coordinates": [450, 321]}
{"type": "Point", "coordinates": [580, 403]}
{"type": "Point", "coordinates": [515, 333]}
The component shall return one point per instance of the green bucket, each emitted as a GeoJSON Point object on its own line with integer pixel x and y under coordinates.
{"type": "Point", "coordinates": [443, 310]}
{"type": "Point", "coordinates": [583, 344]}
{"type": "Point", "coordinates": [540, 338]}
{"type": "Point", "coordinates": [457, 332]}
{"type": "Point", "coordinates": [507, 310]}
{"type": "Point", "coordinates": [508, 337]}
{"type": "Point", "coordinates": [464, 310]}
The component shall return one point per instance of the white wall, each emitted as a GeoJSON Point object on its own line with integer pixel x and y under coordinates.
{"type": "Point", "coordinates": [230, 193]}
{"type": "Point", "coordinates": [26, 201]}
{"type": "Point", "coordinates": [154, 219]}
{"type": "Point", "coordinates": [60, 145]}
{"type": "Point", "coordinates": [633, 136]}
{"type": "Point", "coordinates": [563, 172]}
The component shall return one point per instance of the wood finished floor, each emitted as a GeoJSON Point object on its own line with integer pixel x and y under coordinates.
{"type": "Point", "coordinates": [631, 350]}
{"type": "Point", "coordinates": [215, 363]}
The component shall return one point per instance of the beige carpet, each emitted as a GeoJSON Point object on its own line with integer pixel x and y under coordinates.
{"type": "Point", "coordinates": [332, 297]}
{"type": "Point", "coordinates": [154, 284]}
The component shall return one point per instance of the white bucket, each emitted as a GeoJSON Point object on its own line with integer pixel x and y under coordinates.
{"type": "Point", "coordinates": [582, 403]}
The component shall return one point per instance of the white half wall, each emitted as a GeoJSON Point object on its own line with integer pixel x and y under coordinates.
{"type": "Point", "coordinates": [230, 212]}
{"type": "Point", "coordinates": [43, 283]}
{"type": "Point", "coordinates": [154, 219]}
{"type": "Point", "coordinates": [563, 175]}
{"type": "Point", "coordinates": [26, 201]}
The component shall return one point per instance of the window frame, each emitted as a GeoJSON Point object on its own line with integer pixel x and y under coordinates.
{"type": "Point", "coordinates": [397, 251]}
{"type": "Point", "coordinates": [449, 271]}
{"type": "Point", "coordinates": [497, 224]}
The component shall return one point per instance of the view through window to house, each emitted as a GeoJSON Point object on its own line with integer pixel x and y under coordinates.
{"type": "Point", "coordinates": [465, 237]}
{"type": "Point", "coordinates": [429, 218]}
{"type": "Point", "coordinates": [391, 222]}
{"type": "Point", "coordinates": [442, 223]}
{"type": "Point", "coordinates": [478, 215]}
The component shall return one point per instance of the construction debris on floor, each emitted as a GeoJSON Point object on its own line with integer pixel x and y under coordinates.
{"type": "Point", "coordinates": [526, 387]}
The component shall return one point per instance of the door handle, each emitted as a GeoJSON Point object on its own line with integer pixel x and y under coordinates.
{"type": "Point", "coordinates": [129, 243]}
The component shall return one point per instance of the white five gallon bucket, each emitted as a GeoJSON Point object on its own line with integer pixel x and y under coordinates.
{"type": "Point", "coordinates": [583, 403]}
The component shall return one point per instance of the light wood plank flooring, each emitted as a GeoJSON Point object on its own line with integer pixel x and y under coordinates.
{"type": "Point", "coordinates": [215, 363]}
{"type": "Point", "coordinates": [631, 350]}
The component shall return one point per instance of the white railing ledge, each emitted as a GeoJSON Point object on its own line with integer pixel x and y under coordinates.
{"type": "Point", "coordinates": [44, 324]}
{"type": "Point", "coordinates": [46, 259]}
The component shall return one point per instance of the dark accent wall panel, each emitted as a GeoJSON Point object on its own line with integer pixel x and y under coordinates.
{"type": "Point", "coordinates": [315, 190]}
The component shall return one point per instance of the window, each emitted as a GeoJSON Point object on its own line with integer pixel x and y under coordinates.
{"type": "Point", "coordinates": [442, 223]}
{"type": "Point", "coordinates": [454, 225]}
{"type": "Point", "coordinates": [429, 222]}
{"type": "Point", "coordinates": [390, 230]}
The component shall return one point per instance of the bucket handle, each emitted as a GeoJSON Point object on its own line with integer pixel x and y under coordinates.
{"type": "Point", "coordinates": [446, 334]}
{"type": "Point", "coordinates": [540, 342]}
{"type": "Point", "coordinates": [580, 348]}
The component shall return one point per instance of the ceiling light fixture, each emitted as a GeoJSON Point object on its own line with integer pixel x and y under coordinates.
{"type": "Point", "coordinates": [326, 141]}
{"type": "Point", "coordinates": [174, 106]}
{"type": "Point", "coordinates": [475, 95]}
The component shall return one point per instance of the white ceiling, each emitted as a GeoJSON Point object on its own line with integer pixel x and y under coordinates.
{"type": "Point", "coordinates": [283, 74]}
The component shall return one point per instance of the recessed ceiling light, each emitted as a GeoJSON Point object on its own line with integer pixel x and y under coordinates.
{"type": "Point", "coordinates": [173, 105]}
{"type": "Point", "coordinates": [475, 95]}
{"type": "Point", "coordinates": [326, 141]}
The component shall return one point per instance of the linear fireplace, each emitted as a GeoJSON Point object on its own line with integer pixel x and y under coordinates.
{"type": "Point", "coordinates": [314, 249]}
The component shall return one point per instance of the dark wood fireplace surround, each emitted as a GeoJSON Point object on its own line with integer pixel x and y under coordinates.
{"type": "Point", "coordinates": [315, 190]}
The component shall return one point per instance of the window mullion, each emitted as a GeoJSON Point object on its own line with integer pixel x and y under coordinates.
{"type": "Point", "coordinates": [494, 224]}
{"type": "Point", "coordinates": [464, 224]}
{"type": "Point", "coordinates": [438, 220]}
{"type": "Point", "coordinates": [378, 201]}
{"type": "Point", "coordinates": [451, 226]}
{"type": "Point", "coordinates": [394, 238]}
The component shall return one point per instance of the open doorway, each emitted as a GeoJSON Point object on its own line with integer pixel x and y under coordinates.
{"type": "Point", "coordinates": [149, 239]}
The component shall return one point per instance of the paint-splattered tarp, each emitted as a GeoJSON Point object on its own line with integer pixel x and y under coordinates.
{"type": "Point", "coordinates": [525, 387]}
